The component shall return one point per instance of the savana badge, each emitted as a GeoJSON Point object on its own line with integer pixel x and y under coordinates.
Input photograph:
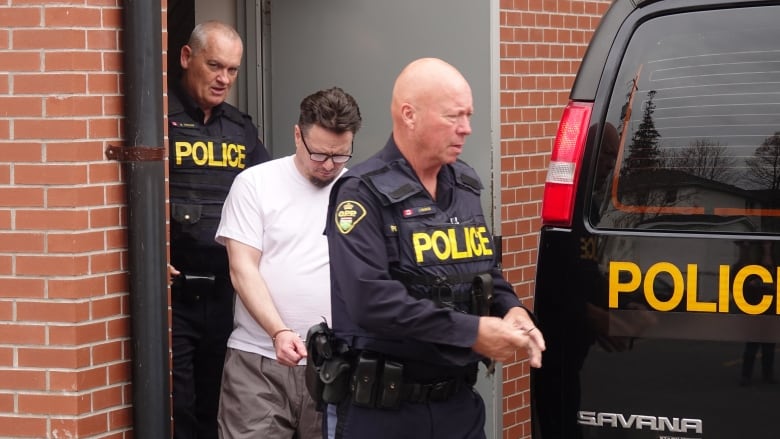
{"type": "Point", "coordinates": [348, 214]}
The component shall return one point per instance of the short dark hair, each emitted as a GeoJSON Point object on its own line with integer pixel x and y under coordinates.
{"type": "Point", "coordinates": [333, 109]}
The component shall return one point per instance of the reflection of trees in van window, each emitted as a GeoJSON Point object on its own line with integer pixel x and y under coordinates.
{"type": "Point", "coordinates": [764, 166]}
{"type": "Point", "coordinates": [643, 153]}
{"type": "Point", "coordinates": [702, 147]}
{"type": "Point", "coordinates": [705, 158]}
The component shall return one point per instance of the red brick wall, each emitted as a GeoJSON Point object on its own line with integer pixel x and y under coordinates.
{"type": "Point", "coordinates": [542, 42]}
{"type": "Point", "coordinates": [64, 328]}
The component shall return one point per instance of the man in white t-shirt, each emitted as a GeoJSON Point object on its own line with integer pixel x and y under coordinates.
{"type": "Point", "coordinates": [272, 226]}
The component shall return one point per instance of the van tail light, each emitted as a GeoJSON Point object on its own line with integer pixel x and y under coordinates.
{"type": "Point", "coordinates": [565, 163]}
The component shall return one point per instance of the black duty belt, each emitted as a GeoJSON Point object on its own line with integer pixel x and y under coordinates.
{"type": "Point", "coordinates": [433, 392]}
{"type": "Point", "coordinates": [378, 382]}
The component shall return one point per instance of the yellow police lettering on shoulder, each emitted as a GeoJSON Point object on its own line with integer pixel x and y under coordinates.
{"type": "Point", "coordinates": [627, 279]}
{"type": "Point", "coordinates": [453, 243]}
{"type": "Point", "coordinates": [204, 153]}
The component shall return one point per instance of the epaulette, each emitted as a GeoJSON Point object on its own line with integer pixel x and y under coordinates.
{"type": "Point", "coordinates": [390, 184]}
{"type": "Point", "coordinates": [466, 176]}
{"type": "Point", "coordinates": [235, 115]}
{"type": "Point", "coordinates": [174, 105]}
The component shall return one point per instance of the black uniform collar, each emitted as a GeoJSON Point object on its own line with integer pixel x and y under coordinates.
{"type": "Point", "coordinates": [446, 177]}
{"type": "Point", "coordinates": [390, 152]}
{"type": "Point", "coordinates": [192, 109]}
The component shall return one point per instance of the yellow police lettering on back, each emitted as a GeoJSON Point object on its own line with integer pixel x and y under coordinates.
{"type": "Point", "coordinates": [627, 279]}
{"type": "Point", "coordinates": [454, 243]}
{"type": "Point", "coordinates": [228, 155]}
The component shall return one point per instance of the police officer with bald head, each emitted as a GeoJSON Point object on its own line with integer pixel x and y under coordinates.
{"type": "Point", "coordinates": [210, 142]}
{"type": "Point", "coordinates": [415, 289]}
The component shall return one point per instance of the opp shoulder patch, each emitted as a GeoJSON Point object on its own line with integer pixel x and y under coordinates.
{"type": "Point", "coordinates": [348, 214]}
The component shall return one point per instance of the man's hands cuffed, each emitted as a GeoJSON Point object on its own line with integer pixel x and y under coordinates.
{"type": "Point", "coordinates": [290, 349]}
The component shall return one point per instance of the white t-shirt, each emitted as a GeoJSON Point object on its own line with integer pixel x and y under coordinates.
{"type": "Point", "coordinates": [275, 209]}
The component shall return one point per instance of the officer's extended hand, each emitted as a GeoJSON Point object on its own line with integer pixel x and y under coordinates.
{"type": "Point", "coordinates": [500, 339]}
{"type": "Point", "coordinates": [290, 349]}
{"type": "Point", "coordinates": [520, 319]}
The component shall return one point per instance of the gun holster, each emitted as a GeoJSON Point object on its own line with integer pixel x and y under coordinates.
{"type": "Point", "coordinates": [328, 366]}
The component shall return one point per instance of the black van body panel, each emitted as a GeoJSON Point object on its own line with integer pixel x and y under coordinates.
{"type": "Point", "coordinates": [634, 372]}
{"type": "Point", "coordinates": [586, 83]}
{"type": "Point", "coordinates": [649, 326]}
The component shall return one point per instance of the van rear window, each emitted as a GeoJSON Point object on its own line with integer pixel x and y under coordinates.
{"type": "Point", "coordinates": [692, 134]}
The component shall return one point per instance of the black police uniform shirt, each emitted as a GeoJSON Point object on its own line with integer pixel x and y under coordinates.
{"type": "Point", "coordinates": [380, 216]}
{"type": "Point", "coordinates": [203, 160]}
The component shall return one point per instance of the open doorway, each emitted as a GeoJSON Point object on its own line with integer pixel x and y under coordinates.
{"type": "Point", "coordinates": [182, 17]}
{"type": "Point", "coordinates": [293, 48]}
{"type": "Point", "coordinates": [181, 21]}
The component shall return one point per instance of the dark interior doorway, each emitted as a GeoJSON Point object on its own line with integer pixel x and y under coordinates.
{"type": "Point", "coordinates": [181, 21]}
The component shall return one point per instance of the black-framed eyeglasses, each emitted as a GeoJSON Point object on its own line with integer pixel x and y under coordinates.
{"type": "Point", "coordinates": [320, 157]}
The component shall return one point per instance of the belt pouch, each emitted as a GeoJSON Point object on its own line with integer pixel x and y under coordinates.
{"type": "Point", "coordinates": [390, 391]}
{"type": "Point", "coordinates": [364, 380]}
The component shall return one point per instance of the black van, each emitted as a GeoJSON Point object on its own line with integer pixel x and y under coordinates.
{"type": "Point", "coordinates": [658, 276]}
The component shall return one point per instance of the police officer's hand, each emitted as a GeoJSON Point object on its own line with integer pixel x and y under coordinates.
{"type": "Point", "coordinates": [500, 339]}
{"type": "Point", "coordinates": [520, 319]}
{"type": "Point", "coordinates": [290, 349]}
{"type": "Point", "coordinates": [172, 272]}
